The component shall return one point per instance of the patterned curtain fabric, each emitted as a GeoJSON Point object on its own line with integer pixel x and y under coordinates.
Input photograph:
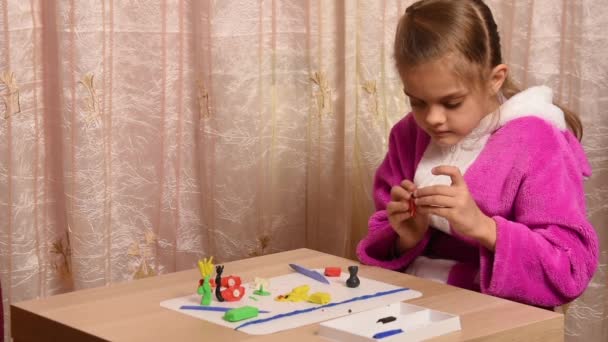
{"type": "Point", "coordinates": [139, 136]}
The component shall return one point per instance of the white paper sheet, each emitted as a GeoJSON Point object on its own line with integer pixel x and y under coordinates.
{"type": "Point", "coordinates": [282, 285]}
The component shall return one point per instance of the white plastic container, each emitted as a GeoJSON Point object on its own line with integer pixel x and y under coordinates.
{"type": "Point", "coordinates": [417, 323]}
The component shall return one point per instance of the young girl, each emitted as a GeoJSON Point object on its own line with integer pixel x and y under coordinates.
{"type": "Point", "coordinates": [482, 185]}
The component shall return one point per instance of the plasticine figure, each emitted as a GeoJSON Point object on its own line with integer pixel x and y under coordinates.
{"type": "Point", "coordinates": [218, 280]}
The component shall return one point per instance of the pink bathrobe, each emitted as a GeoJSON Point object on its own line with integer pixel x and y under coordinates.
{"type": "Point", "coordinates": [529, 179]}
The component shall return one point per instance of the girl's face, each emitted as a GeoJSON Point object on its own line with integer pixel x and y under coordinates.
{"type": "Point", "coordinates": [443, 105]}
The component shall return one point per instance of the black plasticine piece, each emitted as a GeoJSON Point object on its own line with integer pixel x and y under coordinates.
{"type": "Point", "coordinates": [353, 281]}
{"type": "Point", "coordinates": [387, 319]}
{"type": "Point", "coordinates": [218, 282]}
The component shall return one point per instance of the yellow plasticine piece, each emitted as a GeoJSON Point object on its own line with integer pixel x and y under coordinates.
{"type": "Point", "coordinates": [298, 294]}
{"type": "Point", "coordinates": [320, 298]}
{"type": "Point", "coordinates": [205, 267]}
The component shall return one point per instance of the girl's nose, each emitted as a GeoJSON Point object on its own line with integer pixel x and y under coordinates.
{"type": "Point", "coordinates": [435, 116]}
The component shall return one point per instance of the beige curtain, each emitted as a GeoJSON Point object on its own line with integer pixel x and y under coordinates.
{"type": "Point", "coordinates": [138, 136]}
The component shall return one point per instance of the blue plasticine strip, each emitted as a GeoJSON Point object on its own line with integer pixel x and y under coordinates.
{"type": "Point", "coordinates": [297, 312]}
{"type": "Point", "coordinates": [210, 308]}
{"type": "Point", "coordinates": [387, 333]}
{"type": "Point", "coordinates": [309, 273]}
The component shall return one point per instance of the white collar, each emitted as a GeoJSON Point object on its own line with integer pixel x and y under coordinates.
{"type": "Point", "coordinates": [534, 101]}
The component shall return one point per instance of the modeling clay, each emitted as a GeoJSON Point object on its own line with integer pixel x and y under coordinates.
{"type": "Point", "coordinates": [211, 308]}
{"type": "Point", "coordinates": [333, 271]}
{"type": "Point", "coordinates": [205, 291]}
{"type": "Point", "coordinates": [320, 298]}
{"type": "Point", "coordinates": [205, 266]}
{"type": "Point", "coordinates": [298, 294]}
{"type": "Point", "coordinates": [309, 273]}
{"type": "Point", "coordinates": [218, 280]}
{"type": "Point", "coordinates": [353, 281]}
{"type": "Point", "coordinates": [239, 314]}
{"type": "Point", "coordinates": [385, 320]}
{"type": "Point", "coordinates": [412, 206]}
{"type": "Point", "coordinates": [233, 293]}
{"type": "Point", "coordinates": [260, 285]}
{"type": "Point", "coordinates": [228, 281]}
{"type": "Point", "coordinates": [387, 333]}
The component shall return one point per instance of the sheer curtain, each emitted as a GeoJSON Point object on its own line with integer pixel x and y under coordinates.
{"type": "Point", "coordinates": [138, 136]}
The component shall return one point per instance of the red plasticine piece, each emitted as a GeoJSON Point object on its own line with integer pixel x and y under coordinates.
{"type": "Point", "coordinates": [333, 271]}
{"type": "Point", "coordinates": [229, 281]}
{"type": "Point", "coordinates": [233, 293]}
{"type": "Point", "coordinates": [412, 207]}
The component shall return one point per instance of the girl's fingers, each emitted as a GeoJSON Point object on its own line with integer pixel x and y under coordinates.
{"type": "Point", "coordinates": [399, 194]}
{"type": "Point", "coordinates": [452, 171]}
{"type": "Point", "coordinates": [436, 201]}
{"type": "Point", "coordinates": [401, 217]}
{"type": "Point", "coordinates": [408, 185]}
{"type": "Point", "coordinates": [397, 207]}
{"type": "Point", "coordinates": [439, 211]}
{"type": "Point", "coordinates": [444, 190]}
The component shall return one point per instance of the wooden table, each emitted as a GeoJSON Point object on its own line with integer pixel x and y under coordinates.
{"type": "Point", "coordinates": [131, 311]}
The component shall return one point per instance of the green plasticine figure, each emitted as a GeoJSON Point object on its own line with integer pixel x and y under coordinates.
{"type": "Point", "coordinates": [205, 291]}
{"type": "Point", "coordinates": [261, 292]}
{"type": "Point", "coordinates": [205, 266]}
{"type": "Point", "coordinates": [260, 284]}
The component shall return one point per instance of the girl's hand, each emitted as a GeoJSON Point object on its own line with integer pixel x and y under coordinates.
{"type": "Point", "coordinates": [454, 203]}
{"type": "Point", "coordinates": [410, 229]}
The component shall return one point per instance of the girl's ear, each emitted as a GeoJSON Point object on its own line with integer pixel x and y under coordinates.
{"type": "Point", "coordinates": [498, 77]}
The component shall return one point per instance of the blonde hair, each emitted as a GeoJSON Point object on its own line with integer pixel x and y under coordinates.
{"type": "Point", "coordinates": [464, 29]}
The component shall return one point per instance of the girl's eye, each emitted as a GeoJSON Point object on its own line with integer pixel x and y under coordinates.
{"type": "Point", "coordinates": [416, 104]}
{"type": "Point", "coordinates": [452, 105]}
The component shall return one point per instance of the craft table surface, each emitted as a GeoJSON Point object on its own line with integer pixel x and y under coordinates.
{"type": "Point", "coordinates": [131, 311]}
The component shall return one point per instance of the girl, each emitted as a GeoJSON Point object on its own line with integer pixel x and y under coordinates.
{"type": "Point", "coordinates": [482, 185]}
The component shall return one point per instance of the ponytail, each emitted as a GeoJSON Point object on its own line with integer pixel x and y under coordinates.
{"type": "Point", "coordinates": [509, 88]}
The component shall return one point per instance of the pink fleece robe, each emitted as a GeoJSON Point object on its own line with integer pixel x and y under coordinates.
{"type": "Point", "coordinates": [529, 179]}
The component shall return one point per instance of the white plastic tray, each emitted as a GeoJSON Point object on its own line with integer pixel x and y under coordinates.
{"type": "Point", "coordinates": [417, 323]}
